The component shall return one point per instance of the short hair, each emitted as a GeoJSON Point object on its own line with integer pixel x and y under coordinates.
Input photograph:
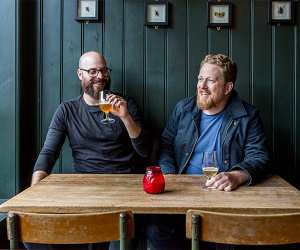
{"type": "Point", "coordinates": [229, 67]}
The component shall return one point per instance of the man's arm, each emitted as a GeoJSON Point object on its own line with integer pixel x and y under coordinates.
{"type": "Point", "coordinates": [129, 114]}
{"type": "Point", "coordinates": [255, 162]}
{"type": "Point", "coordinates": [51, 149]}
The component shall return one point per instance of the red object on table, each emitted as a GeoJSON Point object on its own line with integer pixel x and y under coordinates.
{"type": "Point", "coordinates": [154, 181]}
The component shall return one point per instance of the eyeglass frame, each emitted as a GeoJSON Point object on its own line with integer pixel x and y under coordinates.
{"type": "Point", "coordinates": [105, 71]}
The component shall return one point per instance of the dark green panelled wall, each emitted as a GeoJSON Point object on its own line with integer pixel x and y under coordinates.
{"type": "Point", "coordinates": [9, 98]}
{"type": "Point", "coordinates": [156, 67]}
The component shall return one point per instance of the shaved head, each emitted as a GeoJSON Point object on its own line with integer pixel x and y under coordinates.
{"type": "Point", "coordinates": [90, 57]}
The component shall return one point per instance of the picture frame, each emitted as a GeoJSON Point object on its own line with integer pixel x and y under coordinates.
{"type": "Point", "coordinates": [281, 11]}
{"type": "Point", "coordinates": [156, 13]}
{"type": "Point", "coordinates": [219, 14]}
{"type": "Point", "coordinates": [87, 10]}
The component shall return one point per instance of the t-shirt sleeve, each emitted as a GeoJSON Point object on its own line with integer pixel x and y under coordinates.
{"type": "Point", "coordinates": [54, 140]}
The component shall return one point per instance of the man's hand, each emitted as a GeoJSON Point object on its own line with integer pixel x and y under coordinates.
{"type": "Point", "coordinates": [120, 109]}
{"type": "Point", "coordinates": [38, 176]}
{"type": "Point", "coordinates": [228, 181]}
{"type": "Point", "coordinates": [119, 106]}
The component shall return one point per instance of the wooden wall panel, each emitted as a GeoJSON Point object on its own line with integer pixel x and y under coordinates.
{"type": "Point", "coordinates": [159, 67]}
{"type": "Point", "coordinates": [261, 74]}
{"type": "Point", "coordinates": [50, 70]}
{"type": "Point", "coordinates": [176, 87]}
{"type": "Point", "coordinates": [71, 48]}
{"type": "Point", "coordinates": [155, 77]}
{"type": "Point", "coordinates": [134, 45]}
{"type": "Point", "coordinates": [196, 37]}
{"type": "Point", "coordinates": [296, 111]}
{"type": "Point", "coordinates": [156, 67]}
{"type": "Point", "coordinates": [283, 82]}
{"type": "Point", "coordinates": [240, 47]}
{"type": "Point", "coordinates": [9, 105]}
{"type": "Point", "coordinates": [114, 40]}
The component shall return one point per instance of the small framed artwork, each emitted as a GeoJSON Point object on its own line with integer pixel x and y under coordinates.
{"type": "Point", "coordinates": [282, 12]}
{"type": "Point", "coordinates": [156, 13]}
{"type": "Point", "coordinates": [219, 14]}
{"type": "Point", "coordinates": [87, 10]}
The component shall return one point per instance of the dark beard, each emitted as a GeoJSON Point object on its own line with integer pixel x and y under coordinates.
{"type": "Point", "coordinates": [88, 89]}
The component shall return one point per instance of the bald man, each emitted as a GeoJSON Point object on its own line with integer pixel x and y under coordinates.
{"type": "Point", "coordinates": [117, 147]}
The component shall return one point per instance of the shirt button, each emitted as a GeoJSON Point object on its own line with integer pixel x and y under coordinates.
{"type": "Point", "coordinates": [225, 161]}
{"type": "Point", "coordinates": [186, 154]}
{"type": "Point", "coordinates": [235, 123]}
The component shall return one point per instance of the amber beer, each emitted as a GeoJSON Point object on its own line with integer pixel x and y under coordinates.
{"type": "Point", "coordinates": [210, 171]}
{"type": "Point", "coordinates": [105, 107]}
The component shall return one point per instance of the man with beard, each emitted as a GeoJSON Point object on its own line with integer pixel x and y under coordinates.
{"type": "Point", "coordinates": [216, 119]}
{"type": "Point", "coordinates": [119, 147]}
{"type": "Point", "coordinates": [96, 147]}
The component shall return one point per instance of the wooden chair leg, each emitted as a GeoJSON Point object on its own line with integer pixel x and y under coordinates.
{"type": "Point", "coordinates": [12, 231]}
{"type": "Point", "coordinates": [195, 232]}
{"type": "Point", "coordinates": [123, 231]}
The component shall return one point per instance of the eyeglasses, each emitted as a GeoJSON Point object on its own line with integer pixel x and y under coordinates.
{"type": "Point", "coordinates": [94, 72]}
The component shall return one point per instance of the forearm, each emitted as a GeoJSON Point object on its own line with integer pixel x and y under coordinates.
{"type": "Point", "coordinates": [37, 176]}
{"type": "Point", "coordinates": [133, 128]}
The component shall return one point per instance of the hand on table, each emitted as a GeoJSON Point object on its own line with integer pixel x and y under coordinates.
{"type": "Point", "coordinates": [228, 181]}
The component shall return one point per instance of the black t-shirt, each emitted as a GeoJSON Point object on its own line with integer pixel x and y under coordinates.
{"type": "Point", "coordinates": [96, 147]}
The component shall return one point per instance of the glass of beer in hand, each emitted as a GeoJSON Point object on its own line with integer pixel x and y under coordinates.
{"type": "Point", "coordinates": [105, 106]}
{"type": "Point", "coordinates": [209, 165]}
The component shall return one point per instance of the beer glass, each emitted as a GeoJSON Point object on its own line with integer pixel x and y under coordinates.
{"type": "Point", "coordinates": [105, 106]}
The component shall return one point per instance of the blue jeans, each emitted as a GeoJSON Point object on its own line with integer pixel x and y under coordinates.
{"type": "Point", "coordinates": [166, 232]}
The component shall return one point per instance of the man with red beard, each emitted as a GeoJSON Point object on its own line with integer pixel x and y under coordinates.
{"type": "Point", "coordinates": [216, 119]}
{"type": "Point", "coordinates": [118, 147]}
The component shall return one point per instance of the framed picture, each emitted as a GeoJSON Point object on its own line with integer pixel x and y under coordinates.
{"type": "Point", "coordinates": [282, 12]}
{"type": "Point", "coordinates": [156, 13]}
{"type": "Point", "coordinates": [87, 10]}
{"type": "Point", "coordinates": [219, 14]}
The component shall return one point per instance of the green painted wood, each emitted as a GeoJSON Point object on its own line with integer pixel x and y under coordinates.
{"type": "Point", "coordinates": [155, 77]}
{"type": "Point", "coordinates": [176, 86]}
{"type": "Point", "coordinates": [196, 41]}
{"type": "Point", "coordinates": [134, 44]}
{"type": "Point", "coordinates": [218, 41]}
{"type": "Point", "coordinates": [159, 67]}
{"type": "Point", "coordinates": [28, 76]}
{"type": "Point", "coordinates": [283, 58]}
{"type": "Point", "coordinates": [50, 70]}
{"type": "Point", "coordinates": [296, 173]}
{"type": "Point", "coordinates": [240, 47]}
{"type": "Point", "coordinates": [113, 42]}
{"type": "Point", "coordinates": [9, 99]}
{"type": "Point", "coordinates": [71, 48]}
{"type": "Point", "coordinates": [262, 66]}
{"type": "Point", "coordinates": [93, 37]}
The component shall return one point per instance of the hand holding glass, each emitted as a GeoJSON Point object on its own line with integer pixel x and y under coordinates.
{"type": "Point", "coordinates": [209, 166]}
{"type": "Point", "coordinates": [105, 106]}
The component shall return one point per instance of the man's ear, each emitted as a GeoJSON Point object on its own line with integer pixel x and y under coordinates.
{"type": "Point", "coordinates": [228, 87]}
{"type": "Point", "coordinates": [79, 74]}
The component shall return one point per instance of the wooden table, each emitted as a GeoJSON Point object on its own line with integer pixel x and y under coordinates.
{"type": "Point", "coordinates": [77, 193]}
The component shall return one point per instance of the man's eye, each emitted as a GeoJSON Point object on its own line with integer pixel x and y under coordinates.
{"type": "Point", "coordinates": [93, 72]}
